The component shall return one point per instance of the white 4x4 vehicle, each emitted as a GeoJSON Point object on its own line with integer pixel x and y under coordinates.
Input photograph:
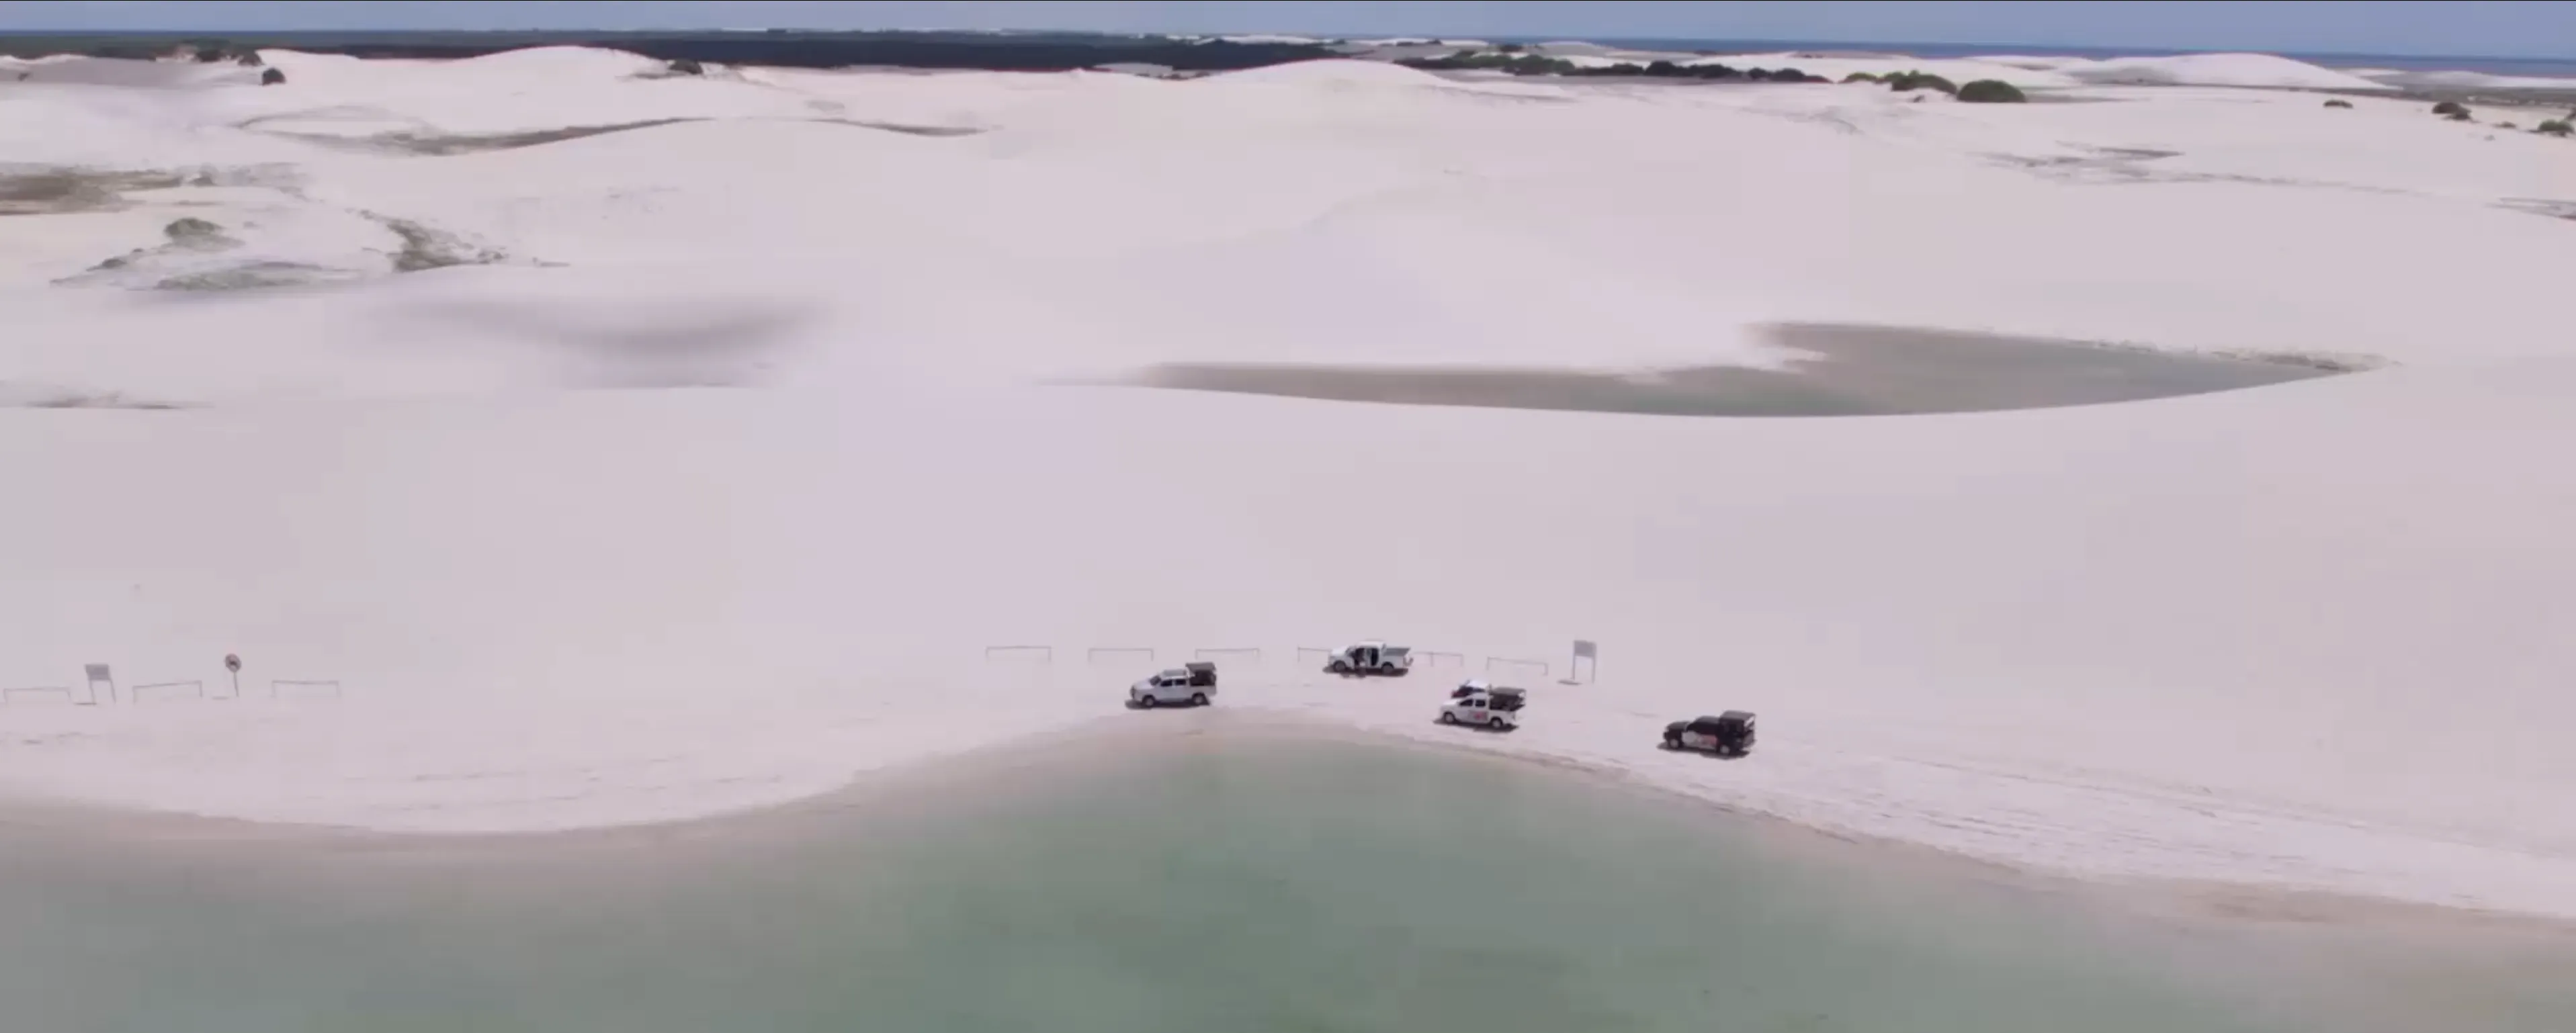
{"type": "Point", "coordinates": [1194, 684]}
{"type": "Point", "coordinates": [1371, 658]}
{"type": "Point", "coordinates": [1498, 709]}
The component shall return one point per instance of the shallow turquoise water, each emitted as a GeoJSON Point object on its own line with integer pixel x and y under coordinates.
{"type": "Point", "coordinates": [1209, 883]}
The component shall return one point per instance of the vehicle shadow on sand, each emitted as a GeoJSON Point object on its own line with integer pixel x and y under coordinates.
{"type": "Point", "coordinates": [1704, 754]}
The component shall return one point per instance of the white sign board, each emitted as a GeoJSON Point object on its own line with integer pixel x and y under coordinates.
{"type": "Point", "coordinates": [97, 672]}
{"type": "Point", "coordinates": [1587, 660]}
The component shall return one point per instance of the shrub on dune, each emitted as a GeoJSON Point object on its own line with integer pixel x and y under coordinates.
{"type": "Point", "coordinates": [2453, 110]}
{"type": "Point", "coordinates": [1907, 82]}
{"type": "Point", "coordinates": [685, 66]}
{"type": "Point", "coordinates": [191, 229]}
{"type": "Point", "coordinates": [2556, 127]}
{"type": "Point", "coordinates": [1860, 77]}
{"type": "Point", "coordinates": [1991, 91]}
{"type": "Point", "coordinates": [272, 77]}
{"type": "Point", "coordinates": [2339, 103]}
{"type": "Point", "coordinates": [1537, 64]}
{"type": "Point", "coordinates": [1509, 64]}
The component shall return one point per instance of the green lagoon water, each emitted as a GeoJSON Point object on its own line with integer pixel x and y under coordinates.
{"type": "Point", "coordinates": [1195, 883]}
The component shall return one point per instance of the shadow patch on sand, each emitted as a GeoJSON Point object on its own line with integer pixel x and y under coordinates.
{"type": "Point", "coordinates": [132, 73]}
{"type": "Point", "coordinates": [2540, 206]}
{"type": "Point", "coordinates": [61, 189]}
{"type": "Point", "coordinates": [21, 395]}
{"type": "Point", "coordinates": [2137, 165]}
{"type": "Point", "coordinates": [264, 275]}
{"type": "Point", "coordinates": [426, 247]}
{"type": "Point", "coordinates": [907, 130]}
{"type": "Point", "coordinates": [182, 236]}
{"type": "Point", "coordinates": [440, 145]}
{"type": "Point", "coordinates": [47, 190]}
{"type": "Point", "coordinates": [707, 347]}
{"type": "Point", "coordinates": [1854, 371]}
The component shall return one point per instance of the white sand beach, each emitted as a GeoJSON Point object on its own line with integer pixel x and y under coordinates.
{"type": "Point", "coordinates": [547, 479]}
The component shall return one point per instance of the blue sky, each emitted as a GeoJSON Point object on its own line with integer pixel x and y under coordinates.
{"type": "Point", "coordinates": [2494, 28]}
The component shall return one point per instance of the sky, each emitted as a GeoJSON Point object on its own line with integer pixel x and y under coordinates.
{"type": "Point", "coordinates": [2486, 28]}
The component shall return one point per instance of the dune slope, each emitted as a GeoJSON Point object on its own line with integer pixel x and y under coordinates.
{"type": "Point", "coordinates": [696, 465]}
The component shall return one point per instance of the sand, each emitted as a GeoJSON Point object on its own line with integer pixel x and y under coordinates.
{"type": "Point", "coordinates": [707, 483]}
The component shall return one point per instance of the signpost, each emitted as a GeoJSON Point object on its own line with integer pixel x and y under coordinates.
{"type": "Point", "coordinates": [232, 666]}
{"type": "Point", "coordinates": [97, 674]}
{"type": "Point", "coordinates": [1586, 664]}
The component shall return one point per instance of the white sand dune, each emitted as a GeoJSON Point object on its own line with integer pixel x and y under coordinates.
{"type": "Point", "coordinates": [711, 486]}
{"type": "Point", "coordinates": [2464, 80]}
{"type": "Point", "coordinates": [2216, 70]}
{"type": "Point", "coordinates": [2252, 70]}
{"type": "Point", "coordinates": [2235, 70]}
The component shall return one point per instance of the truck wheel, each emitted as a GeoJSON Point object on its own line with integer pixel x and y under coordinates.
{"type": "Point", "coordinates": [1448, 718]}
{"type": "Point", "coordinates": [1147, 702]}
{"type": "Point", "coordinates": [1198, 699]}
{"type": "Point", "coordinates": [1672, 742]}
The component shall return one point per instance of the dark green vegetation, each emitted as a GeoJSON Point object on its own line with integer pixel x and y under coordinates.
{"type": "Point", "coordinates": [1991, 91]}
{"type": "Point", "coordinates": [2339, 103]}
{"type": "Point", "coordinates": [1517, 63]}
{"type": "Point", "coordinates": [1026, 52]}
{"type": "Point", "coordinates": [1907, 82]}
{"type": "Point", "coordinates": [2453, 110]}
{"type": "Point", "coordinates": [2555, 127]}
{"type": "Point", "coordinates": [193, 232]}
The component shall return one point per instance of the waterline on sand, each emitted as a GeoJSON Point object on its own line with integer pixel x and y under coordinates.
{"type": "Point", "coordinates": [1213, 872]}
{"type": "Point", "coordinates": [1842, 370]}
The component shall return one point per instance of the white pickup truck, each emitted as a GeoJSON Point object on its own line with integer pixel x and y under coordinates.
{"type": "Point", "coordinates": [1496, 709]}
{"type": "Point", "coordinates": [1193, 683]}
{"type": "Point", "coordinates": [1371, 658]}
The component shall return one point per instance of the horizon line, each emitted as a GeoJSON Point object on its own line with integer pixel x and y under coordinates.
{"type": "Point", "coordinates": [1318, 37]}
